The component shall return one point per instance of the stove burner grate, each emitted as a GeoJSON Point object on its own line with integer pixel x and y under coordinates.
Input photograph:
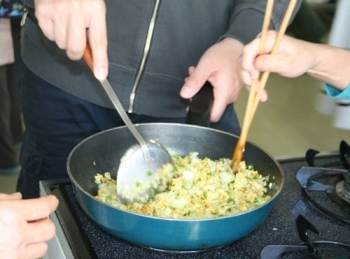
{"type": "Point", "coordinates": [307, 249]}
{"type": "Point", "coordinates": [344, 157]}
{"type": "Point", "coordinates": [328, 187]}
{"type": "Point", "coordinates": [326, 250]}
{"type": "Point", "coordinates": [323, 188]}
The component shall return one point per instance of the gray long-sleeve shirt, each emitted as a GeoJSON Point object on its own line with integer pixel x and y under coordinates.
{"type": "Point", "coordinates": [183, 31]}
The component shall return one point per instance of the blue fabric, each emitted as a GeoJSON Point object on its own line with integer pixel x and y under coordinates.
{"type": "Point", "coordinates": [11, 8]}
{"type": "Point", "coordinates": [57, 121]}
{"type": "Point", "coordinates": [335, 93]}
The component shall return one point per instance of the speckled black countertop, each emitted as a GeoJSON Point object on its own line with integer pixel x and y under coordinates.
{"type": "Point", "coordinates": [278, 229]}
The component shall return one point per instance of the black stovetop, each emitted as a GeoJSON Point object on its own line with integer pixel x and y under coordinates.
{"type": "Point", "coordinates": [88, 240]}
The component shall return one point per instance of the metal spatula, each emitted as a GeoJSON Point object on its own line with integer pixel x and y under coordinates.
{"type": "Point", "coordinates": [136, 179]}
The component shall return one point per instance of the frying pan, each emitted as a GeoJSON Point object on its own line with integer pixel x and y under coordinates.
{"type": "Point", "coordinates": [101, 152]}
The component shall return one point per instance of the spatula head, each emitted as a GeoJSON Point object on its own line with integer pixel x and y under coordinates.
{"type": "Point", "coordinates": [138, 178]}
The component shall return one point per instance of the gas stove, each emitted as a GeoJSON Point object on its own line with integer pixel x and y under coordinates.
{"type": "Point", "coordinates": [311, 219]}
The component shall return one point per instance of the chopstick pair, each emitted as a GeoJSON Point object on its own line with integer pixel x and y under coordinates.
{"type": "Point", "coordinates": [254, 94]}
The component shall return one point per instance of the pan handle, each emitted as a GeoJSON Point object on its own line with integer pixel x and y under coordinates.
{"type": "Point", "coordinates": [200, 106]}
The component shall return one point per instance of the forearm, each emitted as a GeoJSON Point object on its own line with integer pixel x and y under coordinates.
{"type": "Point", "coordinates": [331, 65]}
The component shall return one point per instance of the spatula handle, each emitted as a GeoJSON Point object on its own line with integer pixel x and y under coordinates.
{"type": "Point", "coordinates": [88, 56]}
{"type": "Point", "coordinates": [117, 104]}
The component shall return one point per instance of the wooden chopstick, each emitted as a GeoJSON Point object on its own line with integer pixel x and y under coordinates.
{"type": "Point", "coordinates": [254, 94]}
{"type": "Point", "coordinates": [238, 153]}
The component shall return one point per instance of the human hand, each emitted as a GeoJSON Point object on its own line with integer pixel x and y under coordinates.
{"type": "Point", "coordinates": [69, 23]}
{"type": "Point", "coordinates": [219, 66]}
{"type": "Point", "coordinates": [25, 226]}
{"type": "Point", "coordinates": [292, 58]}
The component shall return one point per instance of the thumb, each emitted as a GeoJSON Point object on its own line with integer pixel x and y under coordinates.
{"type": "Point", "coordinates": [194, 82]}
{"type": "Point", "coordinates": [267, 63]}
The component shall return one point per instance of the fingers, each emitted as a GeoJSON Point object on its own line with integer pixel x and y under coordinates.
{"type": "Point", "coordinates": [60, 23]}
{"type": "Point", "coordinates": [33, 251]}
{"type": "Point", "coordinates": [45, 19]}
{"type": "Point", "coordinates": [34, 209]}
{"type": "Point", "coordinates": [76, 38]}
{"type": "Point", "coordinates": [219, 105]}
{"type": "Point", "coordinates": [249, 53]}
{"type": "Point", "coordinates": [249, 71]}
{"type": "Point", "coordinates": [13, 196]}
{"type": "Point", "coordinates": [40, 231]}
{"type": "Point", "coordinates": [191, 70]}
{"type": "Point", "coordinates": [97, 35]}
{"type": "Point", "coordinates": [195, 81]}
{"type": "Point", "coordinates": [252, 62]}
{"type": "Point", "coordinates": [263, 95]}
{"type": "Point", "coordinates": [25, 226]}
{"type": "Point", "coordinates": [191, 88]}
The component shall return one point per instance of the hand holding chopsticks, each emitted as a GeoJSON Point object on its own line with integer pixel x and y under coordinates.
{"type": "Point", "coordinates": [254, 95]}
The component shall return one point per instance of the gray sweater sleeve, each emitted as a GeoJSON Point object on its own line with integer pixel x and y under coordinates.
{"type": "Point", "coordinates": [248, 16]}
